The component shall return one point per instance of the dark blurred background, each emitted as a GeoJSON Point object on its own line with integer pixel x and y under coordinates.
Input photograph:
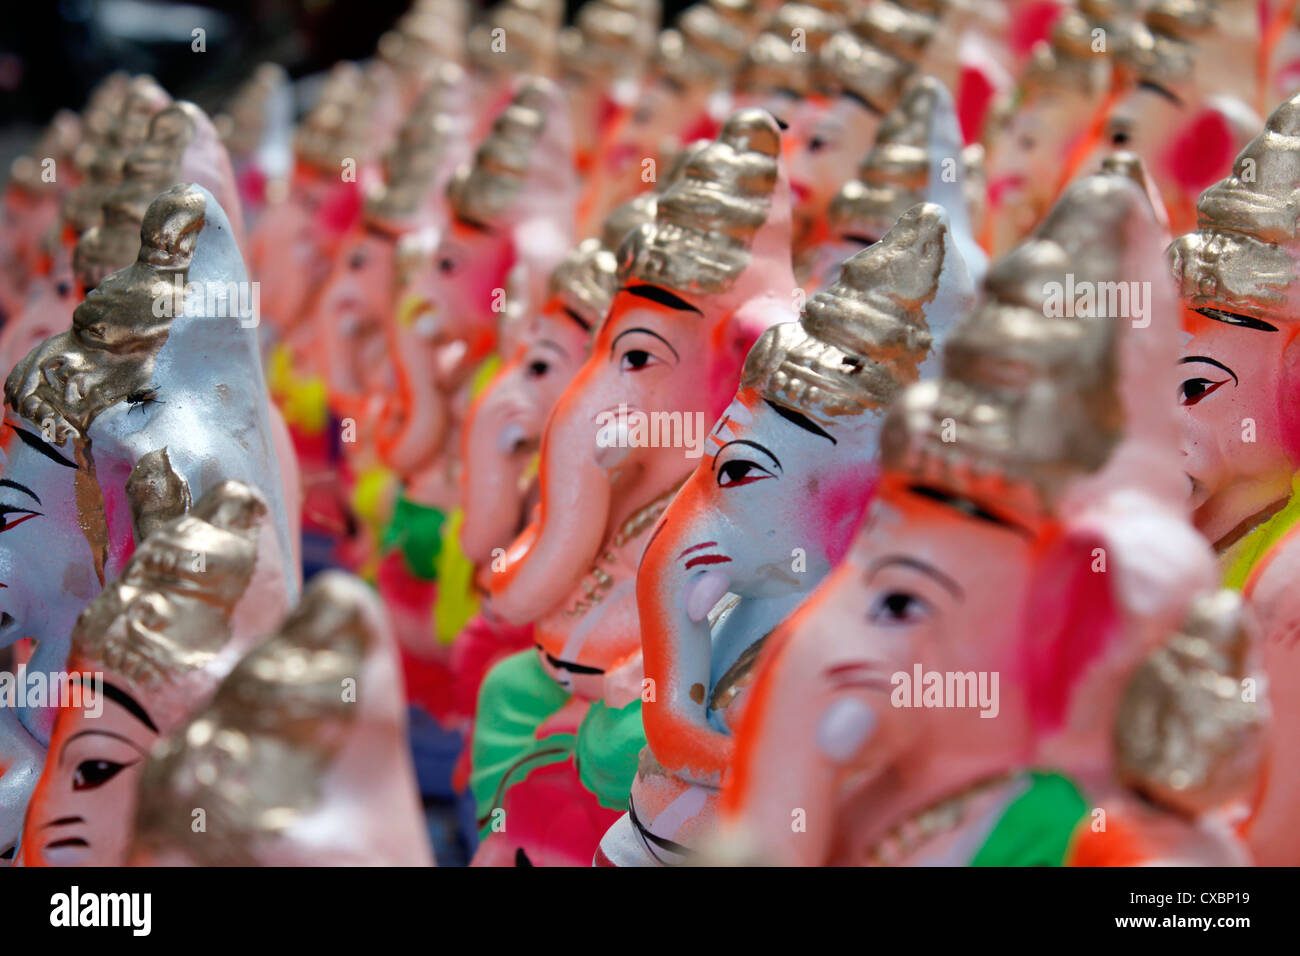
{"type": "Point", "coordinates": [53, 51]}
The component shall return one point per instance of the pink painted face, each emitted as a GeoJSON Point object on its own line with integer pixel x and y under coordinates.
{"type": "Point", "coordinates": [446, 322]}
{"type": "Point", "coordinates": [504, 429]}
{"type": "Point", "coordinates": [82, 811]}
{"type": "Point", "coordinates": [630, 425]}
{"type": "Point", "coordinates": [824, 144]}
{"type": "Point", "coordinates": [929, 584]}
{"type": "Point", "coordinates": [1231, 396]}
{"type": "Point", "coordinates": [352, 317]}
{"type": "Point", "coordinates": [1025, 159]}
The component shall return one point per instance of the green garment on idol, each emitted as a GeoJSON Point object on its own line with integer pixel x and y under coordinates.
{"type": "Point", "coordinates": [1243, 556]}
{"type": "Point", "coordinates": [516, 698]}
{"type": "Point", "coordinates": [416, 530]}
{"type": "Point", "coordinates": [1037, 827]}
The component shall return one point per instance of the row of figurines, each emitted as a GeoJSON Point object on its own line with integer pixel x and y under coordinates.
{"type": "Point", "coordinates": [520, 446]}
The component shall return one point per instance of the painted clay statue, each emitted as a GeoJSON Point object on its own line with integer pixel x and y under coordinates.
{"type": "Point", "coordinates": [1172, 112]}
{"type": "Point", "coordinates": [603, 57]}
{"type": "Point", "coordinates": [52, 295]}
{"type": "Point", "coordinates": [257, 128]}
{"type": "Point", "coordinates": [354, 307]}
{"type": "Point", "coordinates": [770, 510]}
{"type": "Point", "coordinates": [697, 287]}
{"type": "Point", "coordinates": [147, 653]}
{"type": "Point", "coordinates": [429, 36]}
{"type": "Point", "coordinates": [1031, 130]}
{"type": "Point", "coordinates": [160, 355]}
{"type": "Point", "coordinates": [301, 757]}
{"type": "Point", "coordinates": [684, 97]}
{"type": "Point", "coordinates": [868, 744]}
{"type": "Point", "coordinates": [917, 157]}
{"type": "Point", "coordinates": [1239, 276]}
{"type": "Point", "coordinates": [29, 207]}
{"type": "Point", "coordinates": [511, 213]}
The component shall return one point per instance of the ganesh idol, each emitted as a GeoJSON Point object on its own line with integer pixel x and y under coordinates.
{"type": "Point", "coordinates": [29, 205]}
{"type": "Point", "coordinates": [504, 426]}
{"type": "Point", "coordinates": [783, 73]}
{"type": "Point", "coordinates": [603, 58]}
{"type": "Point", "coordinates": [1175, 112]}
{"type": "Point", "coordinates": [510, 220]}
{"type": "Point", "coordinates": [684, 96]}
{"type": "Point", "coordinates": [558, 729]}
{"type": "Point", "coordinates": [59, 289]}
{"type": "Point", "coordinates": [917, 157]}
{"type": "Point", "coordinates": [351, 313]}
{"type": "Point", "coordinates": [147, 653]}
{"type": "Point", "coordinates": [158, 356]}
{"type": "Point", "coordinates": [1239, 280]}
{"type": "Point", "coordinates": [299, 759]}
{"type": "Point", "coordinates": [256, 126]}
{"type": "Point", "coordinates": [1026, 539]}
{"type": "Point", "coordinates": [770, 509]}
{"type": "Point", "coordinates": [1031, 130]}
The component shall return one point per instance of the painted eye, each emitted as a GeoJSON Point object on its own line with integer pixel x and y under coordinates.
{"type": "Point", "coordinates": [634, 360]}
{"type": "Point", "coordinates": [740, 471]}
{"type": "Point", "coordinates": [898, 608]}
{"type": "Point", "coordinates": [446, 265]}
{"type": "Point", "coordinates": [91, 774]}
{"type": "Point", "coordinates": [538, 368]}
{"type": "Point", "coordinates": [1119, 138]}
{"type": "Point", "coordinates": [21, 515]}
{"type": "Point", "coordinates": [817, 144]}
{"type": "Point", "coordinates": [1194, 390]}
{"type": "Point", "coordinates": [63, 288]}
{"type": "Point", "coordinates": [357, 261]}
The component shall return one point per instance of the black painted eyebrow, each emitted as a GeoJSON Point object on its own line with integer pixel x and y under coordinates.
{"type": "Point", "coordinates": [751, 444]}
{"type": "Point", "coordinates": [34, 442]}
{"type": "Point", "coordinates": [1209, 361]}
{"type": "Point", "coordinates": [861, 100]}
{"type": "Point", "coordinates": [929, 570]}
{"type": "Point", "coordinates": [474, 224]}
{"type": "Point", "coordinates": [8, 483]}
{"type": "Point", "coordinates": [968, 507]}
{"type": "Point", "coordinates": [128, 703]}
{"type": "Point", "coordinates": [647, 332]}
{"type": "Point", "coordinates": [656, 294]}
{"type": "Point", "coordinates": [803, 421]}
{"type": "Point", "coordinates": [586, 326]}
{"type": "Point", "coordinates": [1236, 318]}
{"type": "Point", "coordinates": [1161, 90]}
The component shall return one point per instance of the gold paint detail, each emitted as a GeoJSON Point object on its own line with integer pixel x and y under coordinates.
{"type": "Point", "coordinates": [255, 758]}
{"type": "Point", "coordinates": [859, 342]}
{"type": "Point", "coordinates": [1184, 736]}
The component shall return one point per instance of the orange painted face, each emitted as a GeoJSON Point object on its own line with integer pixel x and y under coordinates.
{"type": "Point", "coordinates": [927, 582]}
{"type": "Point", "coordinates": [1235, 418]}
{"type": "Point", "coordinates": [82, 811]}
